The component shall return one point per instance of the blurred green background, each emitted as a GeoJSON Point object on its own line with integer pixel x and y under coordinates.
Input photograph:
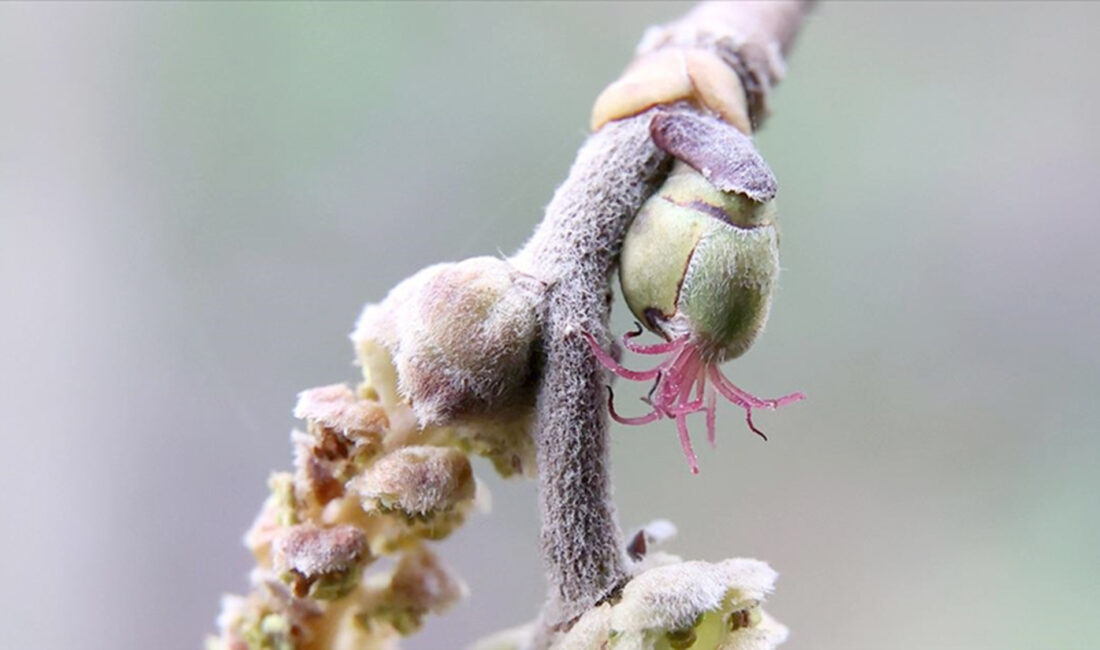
{"type": "Point", "coordinates": [196, 200]}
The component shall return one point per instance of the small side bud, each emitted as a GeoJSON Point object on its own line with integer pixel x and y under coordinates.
{"type": "Point", "coordinates": [323, 563]}
{"type": "Point", "coordinates": [269, 618]}
{"type": "Point", "coordinates": [417, 481]}
{"type": "Point", "coordinates": [422, 582]}
{"type": "Point", "coordinates": [318, 479]}
{"type": "Point", "coordinates": [505, 440]}
{"type": "Point", "coordinates": [419, 585]}
{"type": "Point", "coordinates": [344, 433]}
{"type": "Point", "coordinates": [429, 489]}
{"type": "Point", "coordinates": [337, 417]}
{"type": "Point", "coordinates": [461, 337]}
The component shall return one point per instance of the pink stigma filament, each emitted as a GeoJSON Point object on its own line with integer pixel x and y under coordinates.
{"type": "Point", "coordinates": [686, 383]}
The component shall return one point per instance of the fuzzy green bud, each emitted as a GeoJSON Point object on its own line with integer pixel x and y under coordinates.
{"type": "Point", "coordinates": [703, 262]}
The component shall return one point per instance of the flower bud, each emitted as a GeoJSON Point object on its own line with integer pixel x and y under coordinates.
{"type": "Point", "coordinates": [323, 563]}
{"type": "Point", "coordinates": [418, 585]}
{"type": "Point", "coordinates": [461, 336]}
{"type": "Point", "coordinates": [698, 267]}
{"type": "Point", "coordinates": [344, 433]}
{"type": "Point", "coordinates": [279, 511]}
{"type": "Point", "coordinates": [417, 481]}
{"type": "Point", "coordinates": [703, 262]}
{"type": "Point", "coordinates": [419, 492]}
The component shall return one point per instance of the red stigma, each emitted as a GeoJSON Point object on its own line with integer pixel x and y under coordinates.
{"type": "Point", "coordinates": [685, 383]}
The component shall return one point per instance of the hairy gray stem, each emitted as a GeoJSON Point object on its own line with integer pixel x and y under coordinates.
{"type": "Point", "coordinates": [574, 253]}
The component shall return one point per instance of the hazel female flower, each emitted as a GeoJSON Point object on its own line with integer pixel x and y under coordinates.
{"type": "Point", "coordinates": [698, 267]}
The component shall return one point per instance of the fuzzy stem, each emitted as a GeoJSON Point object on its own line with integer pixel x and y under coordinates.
{"type": "Point", "coordinates": [574, 252]}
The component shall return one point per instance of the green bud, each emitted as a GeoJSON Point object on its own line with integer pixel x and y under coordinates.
{"type": "Point", "coordinates": [703, 262]}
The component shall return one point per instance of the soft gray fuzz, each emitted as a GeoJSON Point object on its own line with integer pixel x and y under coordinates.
{"type": "Point", "coordinates": [574, 252]}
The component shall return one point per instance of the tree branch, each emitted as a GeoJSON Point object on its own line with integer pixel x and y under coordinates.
{"type": "Point", "coordinates": [574, 252]}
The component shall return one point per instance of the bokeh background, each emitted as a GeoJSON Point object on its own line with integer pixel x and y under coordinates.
{"type": "Point", "coordinates": [196, 200]}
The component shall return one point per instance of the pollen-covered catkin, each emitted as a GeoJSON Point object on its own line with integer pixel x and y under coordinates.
{"type": "Point", "coordinates": [368, 483]}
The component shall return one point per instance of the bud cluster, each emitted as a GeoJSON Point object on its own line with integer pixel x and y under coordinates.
{"type": "Point", "coordinates": [383, 469]}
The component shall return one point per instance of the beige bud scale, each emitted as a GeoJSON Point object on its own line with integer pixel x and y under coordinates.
{"type": "Point", "coordinates": [667, 76]}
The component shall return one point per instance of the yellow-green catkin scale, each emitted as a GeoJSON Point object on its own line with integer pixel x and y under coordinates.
{"type": "Point", "coordinates": [703, 262]}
